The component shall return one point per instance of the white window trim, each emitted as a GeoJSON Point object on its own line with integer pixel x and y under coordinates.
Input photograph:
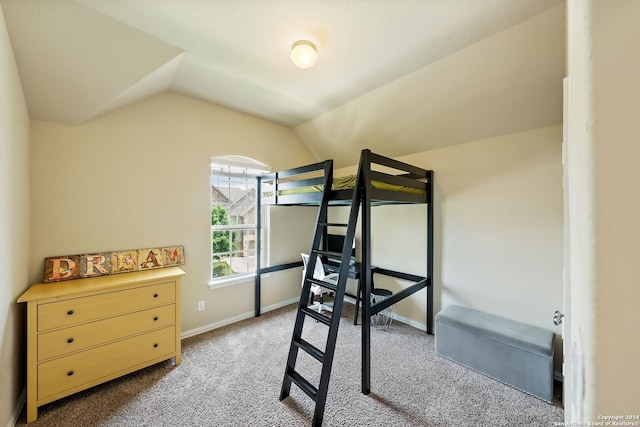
{"type": "Point", "coordinates": [232, 280]}
{"type": "Point", "coordinates": [235, 280]}
{"type": "Point", "coordinates": [258, 168]}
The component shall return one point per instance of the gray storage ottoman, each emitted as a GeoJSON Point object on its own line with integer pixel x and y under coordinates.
{"type": "Point", "coordinates": [512, 352]}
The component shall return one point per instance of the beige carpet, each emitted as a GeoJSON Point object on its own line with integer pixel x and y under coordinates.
{"type": "Point", "coordinates": [232, 377]}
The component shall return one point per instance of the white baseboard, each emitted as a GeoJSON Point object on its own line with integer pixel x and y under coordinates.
{"type": "Point", "coordinates": [397, 318]}
{"type": "Point", "coordinates": [234, 319]}
{"type": "Point", "coordinates": [410, 322]}
{"type": "Point", "coordinates": [18, 408]}
{"type": "Point", "coordinates": [557, 375]}
{"type": "Point", "coordinates": [206, 328]}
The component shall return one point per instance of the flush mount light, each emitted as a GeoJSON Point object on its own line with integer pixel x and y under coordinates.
{"type": "Point", "coordinates": [303, 54]}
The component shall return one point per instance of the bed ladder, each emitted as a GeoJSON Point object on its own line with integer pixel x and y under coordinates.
{"type": "Point", "coordinates": [319, 393]}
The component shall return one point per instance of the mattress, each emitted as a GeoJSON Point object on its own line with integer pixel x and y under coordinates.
{"type": "Point", "coordinates": [345, 183]}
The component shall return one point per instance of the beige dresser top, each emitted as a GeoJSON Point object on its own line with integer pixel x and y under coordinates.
{"type": "Point", "coordinates": [59, 289]}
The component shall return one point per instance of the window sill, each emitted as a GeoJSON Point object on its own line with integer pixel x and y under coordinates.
{"type": "Point", "coordinates": [223, 283]}
{"type": "Point", "coordinates": [231, 281]}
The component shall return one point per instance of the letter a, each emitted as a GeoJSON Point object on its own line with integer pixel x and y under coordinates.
{"type": "Point", "coordinates": [151, 258]}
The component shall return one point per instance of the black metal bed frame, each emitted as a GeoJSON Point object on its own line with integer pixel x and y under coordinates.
{"type": "Point", "coordinates": [276, 189]}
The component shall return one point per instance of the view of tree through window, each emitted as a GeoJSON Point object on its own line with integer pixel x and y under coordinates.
{"type": "Point", "coordinates": [233, 219]}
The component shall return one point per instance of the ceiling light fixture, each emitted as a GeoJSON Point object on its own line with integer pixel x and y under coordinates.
{"type": "Point", "coordinates": [303, 54]}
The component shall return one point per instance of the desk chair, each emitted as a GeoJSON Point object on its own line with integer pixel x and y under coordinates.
{"type": "Point", "coordinates": [319, 274]}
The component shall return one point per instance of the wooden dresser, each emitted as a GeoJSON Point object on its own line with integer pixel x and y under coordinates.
{"type": "Point", "coordinates": [84, 332]}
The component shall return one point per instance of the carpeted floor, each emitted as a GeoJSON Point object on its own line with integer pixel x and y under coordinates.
{"type": "Point", "coordinates": [232, 377]}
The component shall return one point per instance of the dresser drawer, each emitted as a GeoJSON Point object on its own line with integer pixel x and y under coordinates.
{"type": "Point", "coordinates": [88, 367]}
{"type": "Point", "coordinates": [76, 338]}
{"type": "Point", "coordinates": [85, 309]}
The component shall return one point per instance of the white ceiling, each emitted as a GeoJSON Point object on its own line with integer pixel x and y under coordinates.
{"type": "Point", "coordinates": [397, 76]}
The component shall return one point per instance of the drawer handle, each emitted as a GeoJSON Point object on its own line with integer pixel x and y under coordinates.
{"type": "Point", "coordinates": [155, 318]}
{"type": "Point", "coordinates": [155, 345]}
{"type": "Point", "coordinates": [70, 312]}
{"type": "Point", "coordinates": [70, 340]}
{"type": "Point", "coordinates": [69, 373]}
{"type": "Point", "coordinates": [155, 295]}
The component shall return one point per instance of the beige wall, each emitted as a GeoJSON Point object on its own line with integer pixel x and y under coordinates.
{"type": "Point", "coordinates": [498, 229]}
{"type": "Point", "coordinates": [139, 177]}
{"type": "Point", "coordinates": [14, 229]}
{"type": "Point", "coordinates": [604, 102]}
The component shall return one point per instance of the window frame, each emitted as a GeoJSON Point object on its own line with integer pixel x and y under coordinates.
{"type": "Point", "coordinates": [238, 168]}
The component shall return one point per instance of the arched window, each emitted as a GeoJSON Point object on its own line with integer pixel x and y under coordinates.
{"type": "Point", "coordinates": [233, 218]}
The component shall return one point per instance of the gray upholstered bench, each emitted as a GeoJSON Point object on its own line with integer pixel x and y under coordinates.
{"type": "Point", "coordinates": [514, 353]}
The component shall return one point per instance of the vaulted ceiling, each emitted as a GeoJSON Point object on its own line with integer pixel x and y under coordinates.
{"type": "Point", "coordinates": [396, 76]}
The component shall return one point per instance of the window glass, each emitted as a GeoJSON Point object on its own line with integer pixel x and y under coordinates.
{"type": "Point", "coordinates": [233, 216]}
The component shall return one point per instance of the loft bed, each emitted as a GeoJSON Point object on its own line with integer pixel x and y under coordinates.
{"type": "Point", "coordinates": [384, 181]}
{"type": "Point", "coordinates": [287, 188]}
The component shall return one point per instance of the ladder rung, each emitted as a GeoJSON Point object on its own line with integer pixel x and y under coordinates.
{"type": "Point", "coordinates": [304, 385]}
{"type": "Point", "coordinates": [327, 285]}
{"type": "Point", "coordinates": [319, 317]}
{"type": "Point", "coordinates": [311, 349]}
{"type": "Point", "coordinates": [333, 224]}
